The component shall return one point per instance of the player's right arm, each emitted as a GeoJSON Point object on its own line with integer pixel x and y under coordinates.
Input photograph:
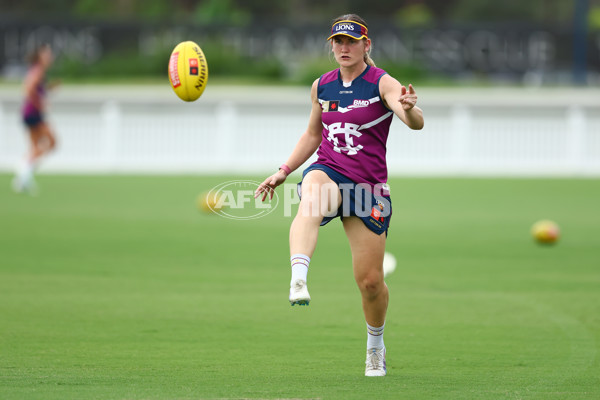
{"type": "Point", "coordinates": [307, 144]}
{"type": "Point", "coordinates": [311, 139]}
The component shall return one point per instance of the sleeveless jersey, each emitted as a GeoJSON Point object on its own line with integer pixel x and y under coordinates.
{"type": "Point", "coordinates": [29, 109]}
{"type": "Point", "coordinates": [356, 125]}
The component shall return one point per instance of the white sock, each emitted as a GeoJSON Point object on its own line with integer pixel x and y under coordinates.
{"type": "Point", "coordinates": [20, 171]}
{"type": "Point", "coordinates": [28, 173]}
{"type": "Point", "coordinates": [299, 267]}
{"type": "Point", "coordinates": [375, 337]}
{"type": "Point", "coordinates": [25, 172]}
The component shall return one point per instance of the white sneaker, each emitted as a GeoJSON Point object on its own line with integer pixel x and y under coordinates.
{"type": "Point", "coordinates": [299, 293]}
{"type": "Point", "coordinates": [375, 362]}
{"type": "Point", "coordinates": [32, 188]}
{"type": "Point", "coordinates": [29, 187]}
{"type": "Point", "coordinates": [17, 185]}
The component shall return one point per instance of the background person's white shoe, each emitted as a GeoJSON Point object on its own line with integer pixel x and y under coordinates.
{"type": "Point", "coordinates": [299, 293]}
{"type": "Point", "coordinates": [17, 185]}
{"type": "Point", "coordinates": [28, 186]}
{"type": "Point", "coordinates": [375, 364]}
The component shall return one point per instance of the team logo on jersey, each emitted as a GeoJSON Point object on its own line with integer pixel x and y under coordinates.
{"type": "Point", "coordinates": [346, 132]}
{"type": "Point", "coordinates": [332, 105]}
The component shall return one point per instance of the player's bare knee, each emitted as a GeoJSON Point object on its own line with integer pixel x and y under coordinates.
{"type": "Point", "coordinates": [371, 284]}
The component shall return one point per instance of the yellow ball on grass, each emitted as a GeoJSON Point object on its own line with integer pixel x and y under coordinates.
{"type": "Point", "coordinates": [208, 203]}
{"type": "Point", "coordinates": [545, 231]}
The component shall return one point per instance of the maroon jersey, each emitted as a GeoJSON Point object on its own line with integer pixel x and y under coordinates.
{"type": "Point", "coordinates": [356, 125]}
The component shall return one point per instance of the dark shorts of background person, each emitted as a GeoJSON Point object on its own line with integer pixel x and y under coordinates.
{"type": "Point", "coordinates": [33, 120]}
{"type": "Point", "coordinates": [375, 211]}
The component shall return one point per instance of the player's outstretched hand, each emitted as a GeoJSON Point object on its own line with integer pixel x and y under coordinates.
{"type": "Point", "coordinates": [408, 98]}
{"type": "Point", "coordinates": [267, 188]}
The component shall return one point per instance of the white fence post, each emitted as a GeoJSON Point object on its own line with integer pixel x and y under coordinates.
{"type": "Point", "coordinates": [575, 141]}
{"type": "Point", "coordinates": [461, 119]}
{"type": "Point", "coordinates": [227, 122]}
{"type": "Point", "coordinates": [111, 119]}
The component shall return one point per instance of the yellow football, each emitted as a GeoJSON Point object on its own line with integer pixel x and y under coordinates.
{"type": "Point", "coordinates": [208, 202]}
{"type": "Point", "coordinates": [545, 231]}
{"type": "Point", "coordinates": [188, 71]}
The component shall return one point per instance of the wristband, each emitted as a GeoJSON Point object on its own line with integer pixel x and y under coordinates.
{"type": "Point", "coordinates": [285, 169]}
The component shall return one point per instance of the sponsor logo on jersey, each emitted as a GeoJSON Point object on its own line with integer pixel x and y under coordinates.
{"type": "Point", "coordinates": [361, 103]}
{"type": "Point", "coordinates": [332, 105]}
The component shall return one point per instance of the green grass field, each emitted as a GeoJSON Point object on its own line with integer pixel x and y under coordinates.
{"type": "Point", "coordinates": [117, 287]}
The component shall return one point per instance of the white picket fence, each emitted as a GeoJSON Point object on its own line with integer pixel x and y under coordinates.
{"type": "Point", "coordinates": [246, 130]}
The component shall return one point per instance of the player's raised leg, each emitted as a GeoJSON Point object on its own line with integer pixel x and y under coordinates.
{"type": "Point", "coordinates": [368, 249]}
{"type": "Point", "coordinates": [320, 197]}
{"type": "Point", "coordinates": [42, 141]}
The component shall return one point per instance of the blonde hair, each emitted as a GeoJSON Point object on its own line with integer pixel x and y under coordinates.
{"type": "Point", "coordinates": [356, 18]}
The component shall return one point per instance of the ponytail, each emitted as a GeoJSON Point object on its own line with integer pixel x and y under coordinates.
{"type": "Point", "coordinates": [368, 59]}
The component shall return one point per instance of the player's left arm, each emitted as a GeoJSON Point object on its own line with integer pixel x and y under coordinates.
{"type": "Point", "coordinates": [402, 101]}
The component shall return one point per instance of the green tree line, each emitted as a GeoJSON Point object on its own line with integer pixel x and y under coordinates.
{"type": "Point", "coordinates": [244, 12]}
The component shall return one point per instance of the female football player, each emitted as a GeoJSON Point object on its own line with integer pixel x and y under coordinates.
{"type": "Point", "coordinates": [41, 138]}
{"type": "Point", "coordinates": [352, 109]}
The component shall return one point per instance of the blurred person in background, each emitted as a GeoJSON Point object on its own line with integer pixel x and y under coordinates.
{"type": "Point", "coordinates": [352, 110]}
{"type": "Point", "coordinates": [41, 138]}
